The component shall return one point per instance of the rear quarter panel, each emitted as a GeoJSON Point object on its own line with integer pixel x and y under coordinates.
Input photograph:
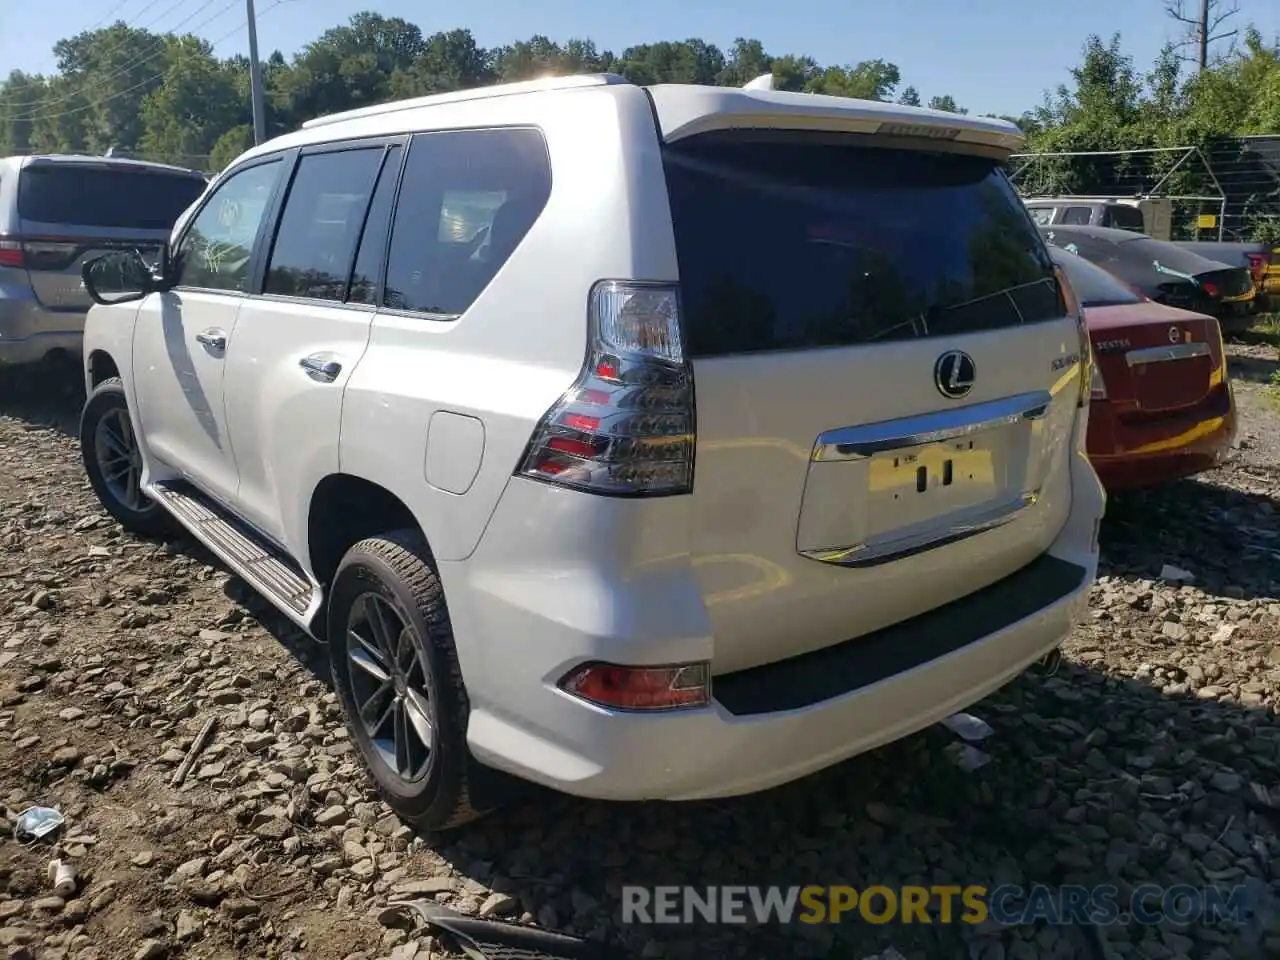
{"type": "Point", "coordinates": [508, 358]}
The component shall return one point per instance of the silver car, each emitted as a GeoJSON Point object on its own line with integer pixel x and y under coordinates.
{"type": "Point", "coordinates": [55, 213]}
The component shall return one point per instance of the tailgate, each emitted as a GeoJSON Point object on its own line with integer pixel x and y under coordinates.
{"type": "Point", "coordinates": [54, 260]}
{"type": "Point", "coordinates": [71, 211]}
{"type": "Point", "coordinates": [886, 381]}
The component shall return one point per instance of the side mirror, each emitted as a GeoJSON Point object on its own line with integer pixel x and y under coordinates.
{"type": "Point", "coordinates": [119, 277]}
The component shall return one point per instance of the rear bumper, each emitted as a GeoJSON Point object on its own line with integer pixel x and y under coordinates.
{"type": "Point", "coordinates": [520, 629]}
{"type": "Point", "coordinates": [1128, 454]}
{"type": "Point", "coordinates": [29, 332]}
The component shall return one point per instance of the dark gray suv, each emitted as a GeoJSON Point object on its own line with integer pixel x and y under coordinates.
{"type": "Point", "coordinates": [58, 211]}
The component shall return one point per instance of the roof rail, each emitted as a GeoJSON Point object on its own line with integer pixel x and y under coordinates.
{"type": "Point", "coordinates": [475, 93]}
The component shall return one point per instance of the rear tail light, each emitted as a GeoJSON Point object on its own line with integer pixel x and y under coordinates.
{"type": "Point", "coordinates": [626, 426]}
{"type": "Point", "coordinates": [1210, 288]}
{"type": "Point", "coordinates": [1073, 308]}
{"type": "Point", "coordinates": [677, 686]}
{"type": "Point", "coordinates": [11, 254]}
{"type": "Point", "coordinates": [1098, 386]}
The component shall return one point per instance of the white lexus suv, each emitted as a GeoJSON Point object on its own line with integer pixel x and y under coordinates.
{"type": "Point", "coordinates": [646, 443]}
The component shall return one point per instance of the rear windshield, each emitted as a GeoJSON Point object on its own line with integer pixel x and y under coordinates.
{"type": "Point", "coordinates": [1093, 286]}
{"type": "Point", "coordinates": [95, 197]}
{"type": "Point", "coordinates": [788, 241]}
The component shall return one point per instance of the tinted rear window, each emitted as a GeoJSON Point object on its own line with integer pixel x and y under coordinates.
{"type": "Point", "coordinates": [1093, 286]}
{"type": "Point", "coordinates": [1123, 218]}
{"type": "Point", "coordinates": [88, 197]}
{"type": "Point", "coordinates": [788, 241]}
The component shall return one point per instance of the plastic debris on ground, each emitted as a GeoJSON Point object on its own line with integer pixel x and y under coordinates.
{"type": "Point", "coordinates": [968, 727]}
{"type": "Point", "coordinates": [487, 939]}
{"type": "Point", "coordinates": [1172, 574]}
{"type": "Point", "coordinates": [967, 758]}
{"type": "Point", "coordinates": [36, 823]}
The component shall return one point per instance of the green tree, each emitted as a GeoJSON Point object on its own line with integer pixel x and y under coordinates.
{"type": "Point", "coordinates": [449, 61]}
{"type": "Point", "coordinates": [198, 99]}
{"type": "Point", "coordinates": [946, 103]}
{"type": "Point", "coordinates": [868, 80]}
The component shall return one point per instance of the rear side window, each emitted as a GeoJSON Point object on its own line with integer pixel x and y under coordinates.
{"type": "Point", "coordinates": [790, 242]}
{"type": "Point", "coordinates": [1041, 215]}
{"type": "Point", "coordinates": [323, 216]}
{"type": "Point", "coordinates": [1077, 216]}
{"type": "Point", "coordinates": [121, 198]}
{"type": "Point", "coordinates": [1123, 218]}
{"type": "Point", "coordinates": [467, 199]}
{"type": "Point", "coordinates": [1093, 286]}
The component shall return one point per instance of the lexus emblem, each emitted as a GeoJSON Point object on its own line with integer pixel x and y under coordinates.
{"type": "Point", "coordinates": [1173, 335]}
{"type": "Point", "coordinates": [953, 374]}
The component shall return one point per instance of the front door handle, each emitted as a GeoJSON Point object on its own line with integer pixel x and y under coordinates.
{"type": "Point", "coordinates": [319, 368]}
{"type": "Point", "coordinates": [214, 339]}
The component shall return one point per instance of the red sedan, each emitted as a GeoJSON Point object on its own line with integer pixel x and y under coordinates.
{"type": "Point", "coordinates": [1162, 405]}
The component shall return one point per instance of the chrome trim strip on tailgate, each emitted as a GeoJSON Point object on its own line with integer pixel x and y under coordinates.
{"type": "Point", "coordinates": [858, 443]}
{"type": "Point", "coordinates": [869, 555]}
{"type": "Point", "coordinates": [1179, 351]}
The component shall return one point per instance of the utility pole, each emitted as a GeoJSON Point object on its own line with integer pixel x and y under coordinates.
{"type": "Point", "coordinates": [255, 78]}
{"type": "Point", "coordinates": [1203, 33]}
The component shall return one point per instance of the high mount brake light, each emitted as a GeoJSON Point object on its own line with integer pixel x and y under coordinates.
{"type": "Point", "coordinates": [626, 425]}
{"type": "Point", "coordinates": [1072, 304]}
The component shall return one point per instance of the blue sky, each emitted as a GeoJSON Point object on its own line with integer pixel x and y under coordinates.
{"type": "Point", "coordinates": [991, 55]}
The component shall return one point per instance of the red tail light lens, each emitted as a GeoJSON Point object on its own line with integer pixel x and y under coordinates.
{"type": "Point", "coordinates": [626, 426]}
{"type": "Point", "coordinates": [11, 254]}
{"type": "Point", "coordinates": [686, 685]}
{"type": "Point", "coordinates": [1209, 288]}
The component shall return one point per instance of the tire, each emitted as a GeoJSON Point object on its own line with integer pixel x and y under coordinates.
{"type": "Point", "coordinates": [392, 573]}
{"type": "Point", "coordinates": [104, 408]}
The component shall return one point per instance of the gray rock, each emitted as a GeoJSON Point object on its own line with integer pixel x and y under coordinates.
{"type": "Point", "coordinates": [499, 905]}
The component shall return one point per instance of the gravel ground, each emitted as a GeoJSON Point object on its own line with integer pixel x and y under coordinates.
{"type": "Point", "coordinates": [1150, 756]}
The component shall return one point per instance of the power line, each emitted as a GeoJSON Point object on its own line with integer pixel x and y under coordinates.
{"type": "Point", "coordinates": [130, 65]}
{"type": "Point", "coordinates": [109, 14]}
{"type": "Point", "coordinates": [113, 11]}
{"type": "Point", "coordinates": [158, 76]}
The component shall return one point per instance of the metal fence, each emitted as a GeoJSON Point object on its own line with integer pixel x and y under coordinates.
{"type": "Point", "coordinates": [1232, 183]}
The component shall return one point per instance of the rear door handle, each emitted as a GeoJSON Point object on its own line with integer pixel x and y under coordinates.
{"type": "Point", "coordinates": [318, 368]}
{"type": "Point", "coordinates": [214, 339]}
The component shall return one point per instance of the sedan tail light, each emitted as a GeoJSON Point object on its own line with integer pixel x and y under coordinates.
{"type": "Point", "coordinates": [1074, 309]}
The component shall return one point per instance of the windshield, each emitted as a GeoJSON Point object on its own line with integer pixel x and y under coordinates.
{"type": "Point", "coordinates": [1093, 286]}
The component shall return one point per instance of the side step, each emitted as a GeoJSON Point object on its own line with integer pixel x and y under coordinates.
{"type": "Point", "coordinates": [263, 566]}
